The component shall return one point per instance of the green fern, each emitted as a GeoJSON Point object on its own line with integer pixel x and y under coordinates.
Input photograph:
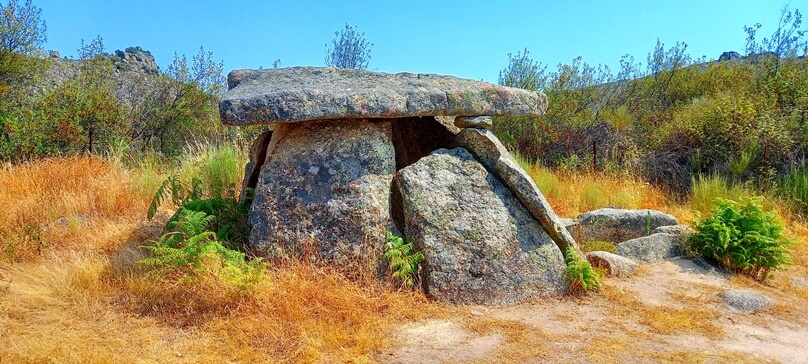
{"type": "Point", "coordinates": [402, 261]}
{"type": "Point", "coordinates": [743, 238]}
{"type": "Point", "coordinates": [580, 273]}
{"type": "Point", "coordinates": [191, 250]}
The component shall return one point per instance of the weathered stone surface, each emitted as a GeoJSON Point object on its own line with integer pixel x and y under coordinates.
{"type": "Point", "coordinates": [675, 230]}
{"type": "Point", "coordinates": [477, 122]}
{"type": "Point", "coordinates": [324, 190]}
{"type": "Point", "coordinates": [617, 225]}
{"type": "Point", "coordinates": [745, 300]}
{"type": "Point", "coordinates": [615, 265]}
{"type": "Point", "coordinates": [650, 249]}
{"type": "Point", "coordinates": [312, 93]}
{"type": "Point", "coordinates": [448, 122]}
{"type": "Point", "coordinates": [481, 245]}
{"type": "Point", "coordinates": [487, 148]}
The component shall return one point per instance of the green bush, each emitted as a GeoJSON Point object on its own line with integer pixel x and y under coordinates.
{"type": "Point", "coordinates": [189, 250]}
{"type": "Point", "coordinates": [402, 260]}
{"type": "Point", "coordinates": [742, 238]}
{"type": "Point", "coordinates": [580, 273]}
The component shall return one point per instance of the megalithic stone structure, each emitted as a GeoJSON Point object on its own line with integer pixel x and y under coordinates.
{"type": "Point", "coordinates": [355, 153]}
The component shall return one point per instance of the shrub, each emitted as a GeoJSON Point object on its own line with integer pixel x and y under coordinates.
{"type": "Point", "coordinates": [597, 245]}
{"type": "Point", "coordinates": [742, 238]}
{"type": "Point", "coordinates": [580, 273]}
{"type": "Point", "coordinates": [189, 251]}
{"type": "Point", "coordinates": [402, 260]}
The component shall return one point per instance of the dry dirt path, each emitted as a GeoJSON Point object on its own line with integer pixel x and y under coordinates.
{"type": "Point", "coordinates": [668, 313]}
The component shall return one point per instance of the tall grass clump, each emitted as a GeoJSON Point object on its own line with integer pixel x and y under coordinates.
{"type": "Point", "coordinates": [793, 187]}
{"type": "Point", "coordinates": [705, 189]}
{"type": "Point", "coordinates": [220, 168]}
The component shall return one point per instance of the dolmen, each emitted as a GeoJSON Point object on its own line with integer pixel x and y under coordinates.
{"type": "Point", "coordinates": [354, 154]}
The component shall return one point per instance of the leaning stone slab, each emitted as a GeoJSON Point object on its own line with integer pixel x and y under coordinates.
{"type": "Point", "coordinates": [745, 300]}
{"type": "Point", "coordinates": [481, 245]}
{"type": "Point", "coordinates": [296, 94]}
{"type": "Point", "coordinates": [650, 249]}
{"type": "Point", "coordinates": [615, 265]}
{"type": "Point", "coordinates": [487, 148]}
{"type": "Point", "coordinates": [618, 225]}
{"type": "Point", "coordinates": [324, 192]}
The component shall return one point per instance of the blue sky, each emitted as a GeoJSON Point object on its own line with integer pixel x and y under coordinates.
{"type": "Point", "coordinates": [463, 38]}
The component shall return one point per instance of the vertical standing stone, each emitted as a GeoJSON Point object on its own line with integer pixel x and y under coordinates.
{"type": "Point", "coordinates": [324, 191]}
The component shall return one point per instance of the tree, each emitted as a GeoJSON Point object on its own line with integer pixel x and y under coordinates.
{"type": "Point", "coordinates": [523, 72]}
{"type": "Point", "coordinates": [348, 49]}
{"type": "Point", "coordinates": [92, 49]}
{"type": "Point", "coordinates": [786, 40]}
{"type": "Point", "coordinates": [21, 28]}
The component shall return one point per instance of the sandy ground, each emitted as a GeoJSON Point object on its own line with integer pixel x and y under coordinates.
{"type": "Point", "coordinates": [668, 312]}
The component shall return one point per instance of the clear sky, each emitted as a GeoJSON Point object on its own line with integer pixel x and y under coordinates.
{"type": "Point", "coordinates": [463, 38]}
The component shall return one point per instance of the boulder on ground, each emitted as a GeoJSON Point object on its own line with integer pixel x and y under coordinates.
{"type": "Point", "coordinates": [325, 191]}
{"type": "Point", "coordinates": [481, 245]}
{"type": "Point", "coordinates": [745, 300]}
{"type": "Point", "coordinates": [650, 249]}
{"type": "Point", "coordinates": [615, 265]}
{"type": "Point", "coordinates": [289, 95]}
{"type": "Point", "coordinates": [618, 225]}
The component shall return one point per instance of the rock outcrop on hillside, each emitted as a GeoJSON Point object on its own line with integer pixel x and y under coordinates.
{"type": "Point", "coordinates": [355, 153]}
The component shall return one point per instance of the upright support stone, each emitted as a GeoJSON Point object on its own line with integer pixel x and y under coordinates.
{"type": "Point", "coordinates": [325, 192]}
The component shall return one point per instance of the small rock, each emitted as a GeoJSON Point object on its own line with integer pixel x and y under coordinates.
{"type": "Point", "coordinates": [477, 122]}
{"type": "Point", "coordinates": [650, 249]}
{"type": "Point", "coordinates": [799, 282]}
{"type": "Point", "coordinates": [615, 265]}
{"type": "Point", "coordinates": [54, 54]}
{"type": "Point", "coordinates": [745, 300]}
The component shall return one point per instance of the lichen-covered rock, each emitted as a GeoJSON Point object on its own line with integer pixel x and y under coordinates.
{"type": "Point", "coordinates": [481, 245]}
{"type": "Point", "coordinates": [650, 249]}
{"type": "Point", "coordinates": [310, 93]}
{"type": "Point", "coordinates": [324, 190]}
{"type": "Point", "coordinates": [487, 148]}
{"type": "Point", "coordinates": [615, 265]}
{"type": "Point", "coordinates": [477, 122]}
{"type": "Point", "coordinates": [745, 300]}
{"type": "Point", "coordinates": [618, 225]}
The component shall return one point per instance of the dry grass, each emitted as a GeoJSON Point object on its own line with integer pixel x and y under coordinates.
{"type": "Point", "coordinates": [521, 341]}
{"type": "Point", "coordinates": [665, 320]}
{"type": "Point", "coordinates": [300, 313]}
{"type": "Point", "coordinates": [571, 194]}
{"type": "Point", "coordinates": [65, 203]}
